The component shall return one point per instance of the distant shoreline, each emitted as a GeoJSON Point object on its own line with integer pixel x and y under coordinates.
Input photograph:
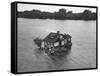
{"type": "Point", "coordinates": [60, 15]}
{"type": "Point", "coordinates": [57, 19]}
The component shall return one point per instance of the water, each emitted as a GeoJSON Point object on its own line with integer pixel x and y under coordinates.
{"type": "Point", "coordinates": [83, 52]}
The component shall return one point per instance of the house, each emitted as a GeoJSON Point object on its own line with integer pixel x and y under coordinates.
{"type": "Point", "coordinates": [54, 40]}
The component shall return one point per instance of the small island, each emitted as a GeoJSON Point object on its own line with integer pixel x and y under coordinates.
{"type": "Point", "coordinates": [61, 14]}
{"type": "Point", "coordinates": [54, 43]}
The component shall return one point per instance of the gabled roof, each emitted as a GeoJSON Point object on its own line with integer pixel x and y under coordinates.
{"type": "Point", "coordinates": [53, 37]}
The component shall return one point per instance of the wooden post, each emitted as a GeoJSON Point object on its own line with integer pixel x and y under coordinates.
{"type": "Point", "coordinates": [64, 41]}
{"type": "Point", "coordinates": [53, 45]}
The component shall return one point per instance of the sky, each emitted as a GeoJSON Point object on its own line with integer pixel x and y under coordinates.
{"type": "Point", "coordinates": [50, 8]}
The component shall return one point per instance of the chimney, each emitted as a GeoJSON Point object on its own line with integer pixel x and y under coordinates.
{"type": "Point", "coordinates": [58, 32]}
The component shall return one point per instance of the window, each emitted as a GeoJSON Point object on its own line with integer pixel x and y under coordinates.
{"type": "Point", "coordinates": [56, 44]}
{"type": "Point", "coordinates": [62, 43]}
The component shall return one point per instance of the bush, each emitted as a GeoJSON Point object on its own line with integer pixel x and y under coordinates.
{"type": "Point", "coordinates": [38, 42]}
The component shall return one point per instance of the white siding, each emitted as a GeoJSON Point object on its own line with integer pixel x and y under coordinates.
{"type": "Point", "coordinates": [62, 43]}
{"type": "Point", "coordinates": [42, 44]}
{"type": "Point", "coordinates": [56, 44]}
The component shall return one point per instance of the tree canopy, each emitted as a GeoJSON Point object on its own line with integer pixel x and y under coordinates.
{"type": "Point", "coordinates": [61, 14]}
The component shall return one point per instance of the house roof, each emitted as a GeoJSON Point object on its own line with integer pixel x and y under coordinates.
{"type": "Point", "coordinates": [54, 37]}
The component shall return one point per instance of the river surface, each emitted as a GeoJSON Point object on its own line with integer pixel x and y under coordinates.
{"type": "Point", "coordinates": [82, 54]}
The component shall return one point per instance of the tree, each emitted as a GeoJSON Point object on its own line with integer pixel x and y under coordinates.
{"type": "Point", "coordinates": [87, 14]}
{"type": "Point", "coordinates": [62, 10]}
{"type": "Point", "coordinates": [61, 14]}
{"type": "Point", "coordinates": [38, 42]}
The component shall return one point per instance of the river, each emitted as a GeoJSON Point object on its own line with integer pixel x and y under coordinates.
{"type": "Point", "coordinates": [82, 54]}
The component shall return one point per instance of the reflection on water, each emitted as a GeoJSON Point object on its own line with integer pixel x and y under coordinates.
{"type": "Point", "coordinates": [81, 55]}
{"type": "Point", "coordinates": [52, 61]}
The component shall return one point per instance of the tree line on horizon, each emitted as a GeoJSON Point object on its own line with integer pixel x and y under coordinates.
{"type": "Point", "coordinates": [61, 14]}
